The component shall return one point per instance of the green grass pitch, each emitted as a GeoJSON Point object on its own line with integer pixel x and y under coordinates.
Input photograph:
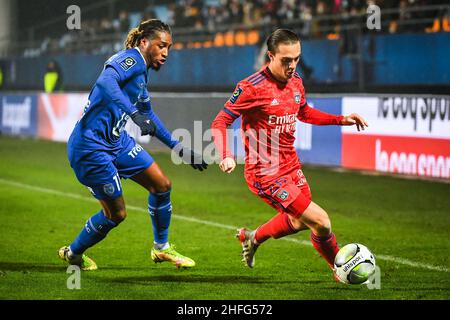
{"type": "Point", "coordinates": [405, 223]}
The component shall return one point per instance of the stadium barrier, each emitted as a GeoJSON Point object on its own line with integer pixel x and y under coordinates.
{"type": "Point", "coordinates": [406, 134]}
{"type": "Point", "coordinates": [18, 114]}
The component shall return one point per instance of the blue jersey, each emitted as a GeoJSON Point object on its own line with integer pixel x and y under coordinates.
{"type": "Point", "coordinates": [120, 90]}
{"type": "Point", "coordinates": [100, 150]}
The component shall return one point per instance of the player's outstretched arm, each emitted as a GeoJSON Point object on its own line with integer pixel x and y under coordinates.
{"type": "Point", "coordinates": [354, 119]}
{"type": "Point", "coordinates": [317, 117]}
{"type": "Point", "coordinates": [108, 83]}
{"type": "Point", "coordinates": [219, 132]}
{"type": "Point", "coordinates": [165, 136]}
{"type": "Point", "coordinates": [162, 133]}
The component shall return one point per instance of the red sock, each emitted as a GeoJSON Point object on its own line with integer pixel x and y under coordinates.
{"type": "Point", "coordinates": [326, 246]}
{"type": "Point", "coordinates": [277, 227]}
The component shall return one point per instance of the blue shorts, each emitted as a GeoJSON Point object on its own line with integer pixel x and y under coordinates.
{"type": "Point", "coordinates": [100, 171]}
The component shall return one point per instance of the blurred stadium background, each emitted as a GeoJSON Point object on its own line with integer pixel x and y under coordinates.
{"type": "Point", "coordinates": [340, 54]}
{"type": "Point", "coordinates": [397, 77]}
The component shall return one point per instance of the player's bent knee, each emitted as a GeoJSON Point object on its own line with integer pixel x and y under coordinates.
{"type": "Point", "coordinates": [118, 216]}
{"type": "Point", "coordinates": [322, 226]}
{"type": "Point", "coordinates": [295, 222]}
{"type": "Point", "coordinates": [163, 186]}
{"type": "Point", "coordinates": [114, 209]}
{"type": "Point", "coordinates": [317, 220]}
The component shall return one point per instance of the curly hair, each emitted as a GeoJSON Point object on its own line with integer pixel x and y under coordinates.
{"type": "Point", "coordinates": [146, 29]}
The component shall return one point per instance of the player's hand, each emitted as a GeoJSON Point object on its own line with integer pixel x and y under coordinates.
{"type": "Point", "coordinates": [354, 118]}
{"type": "Point", "coordinates": [227, 165]}
{"type": "Point", "coordinates": [147, 126]}
{"type": "Point", "coordinates": [191, 157]}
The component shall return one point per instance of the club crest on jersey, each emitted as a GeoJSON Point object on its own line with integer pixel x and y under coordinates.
{"type": "Point", "coordinates": [236, 95]}
{"type": "Point", "coordinates": [109, 189]}
{"type": "Point", "coordinates": [127, 63]}
{"type": "Point", "coordinates": [297, 97]}
{"type": "Point", "coordinates": [283, 194]}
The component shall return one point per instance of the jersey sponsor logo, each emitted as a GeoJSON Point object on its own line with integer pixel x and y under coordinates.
{"type": "Point", "coordinates": [127, 63]}
{"type": "Point", "coordinates": [236, 95]}
{"type": "Point", "coordinates": [283, 194]}
{"type": "Point", "coordinates": [285, 123]}
{"type": "Point", "coordinates": [109, 189]}
{"type": "Point", "coordinates": [136, 149]}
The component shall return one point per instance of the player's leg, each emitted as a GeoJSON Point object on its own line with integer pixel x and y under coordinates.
{"type": "Point", "coordinates": [280, 225]}
{"type": "Point", "coordinates": [99, 225]}
{"type": "Point", "coordinates": [305, 213]}
{"type": "Point", "coordinates": [288, 189]}
{"type": "Point", "coordinates": [322, 238]}
{"type": "Point", "coordinates": [136, 163]}
{"type": "Point", "coordinates": [160, 208]}
{"type": "Point", "coordinates": [159, 204]}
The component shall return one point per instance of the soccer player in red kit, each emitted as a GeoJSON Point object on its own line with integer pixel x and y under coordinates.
{"type": "Point", "coordinates": [269, 103]}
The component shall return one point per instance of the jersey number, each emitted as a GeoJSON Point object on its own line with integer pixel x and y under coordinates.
{"type": "Point", "coordinates": [117, 181]}
{"type": "Point", "coordinates": [118, 128]}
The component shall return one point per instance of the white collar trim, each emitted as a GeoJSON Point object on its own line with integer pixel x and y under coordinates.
{"type": "Point", "coordinates": [137, 48]}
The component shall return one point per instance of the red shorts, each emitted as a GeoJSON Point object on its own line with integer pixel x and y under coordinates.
{"type": "Point", "coordinates": [289, 193]}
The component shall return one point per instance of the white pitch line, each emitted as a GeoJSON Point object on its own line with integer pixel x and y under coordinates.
{"type": "Point", "coordinates": [412, 263]}
{"type": "Point", "coordinates": [215, 224]}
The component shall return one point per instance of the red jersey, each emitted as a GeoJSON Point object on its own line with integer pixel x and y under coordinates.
{"type": "Point", "coordinates": [269, 110]}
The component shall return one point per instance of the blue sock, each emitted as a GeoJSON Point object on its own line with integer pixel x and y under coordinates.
{"type": "Point", "coordinates": [95, 230]}
{"type": "Point", "coordinates": [160, 209]}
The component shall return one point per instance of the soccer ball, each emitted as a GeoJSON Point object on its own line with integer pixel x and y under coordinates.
{"type": "Point", "coordinates": [354, 264]}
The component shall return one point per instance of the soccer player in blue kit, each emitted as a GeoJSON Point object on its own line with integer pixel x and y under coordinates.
{"type": "Point", "coordinates": [101, 152]}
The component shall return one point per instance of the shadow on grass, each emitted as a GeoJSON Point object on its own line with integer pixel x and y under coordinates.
{"type": "Point", "coordinates": [190, 278]}
{"type": "Point", "coordinates": [27, 267]}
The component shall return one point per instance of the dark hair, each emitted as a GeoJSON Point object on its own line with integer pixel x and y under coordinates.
{"type": "Point", "coordinates": [281, 36]}
{"type": "Point", "coordinates": [146, 29]}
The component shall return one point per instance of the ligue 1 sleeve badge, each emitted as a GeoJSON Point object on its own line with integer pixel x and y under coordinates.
{"type": "Point", "coordinates": [236, 95]}
{"type": "Point", "coordinates": [127, 63]}
{"type": "Point", "coordinates": [297, 97]}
